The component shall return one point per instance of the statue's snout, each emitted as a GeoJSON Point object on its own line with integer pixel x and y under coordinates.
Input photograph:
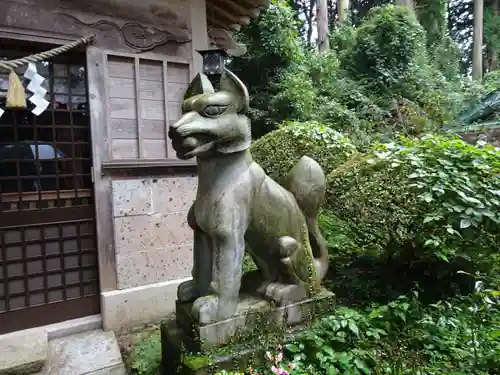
{"type": "Point", "coordinates": [173, 131]}
{"type": "Point", "coordinates": [190, 123]}
{"type": "Point", "coordinates": [185, 119]}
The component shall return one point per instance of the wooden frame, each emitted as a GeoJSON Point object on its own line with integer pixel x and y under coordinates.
{"type": "Point", "coordinates": [25, 214]}
{"type": "Point", "coordinates": [199, 31]}
{"type": "Point", "coordinates": [45, 195]}
{"type": "Point", "coordinates": [149, 56]}
{"type": "Point", "coordinates": [97, 73]}
{"type": "Point", "coordinates": [103, 165]}
{"type": "Point", "coordinates": [112, 162]}
{"type": "Point", "coordinates": [165, 95]}
{"type": "Point", "coordinates": [137, 80]}
{"type": "Point", "coordinates": [37, 36]}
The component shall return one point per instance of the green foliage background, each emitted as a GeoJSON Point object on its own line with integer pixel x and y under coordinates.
{"type": "Point", "coordinates": [412, 217]}
{"type": "Point", "coordinates": [278, 151]}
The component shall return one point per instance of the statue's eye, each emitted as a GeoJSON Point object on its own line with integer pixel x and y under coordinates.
{"type": "Point", "coordinates": [214, 110]}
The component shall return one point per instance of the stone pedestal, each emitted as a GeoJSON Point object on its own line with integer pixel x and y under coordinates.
{"type": "Point", "coordinates": [254, 316]}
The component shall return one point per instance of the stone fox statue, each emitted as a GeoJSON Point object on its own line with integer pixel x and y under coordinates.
{"type": "Point", "coordinates": [238, 207]}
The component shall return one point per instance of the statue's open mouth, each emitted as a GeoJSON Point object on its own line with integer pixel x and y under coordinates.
{"type": "Point", "coordinates": [192, 145]}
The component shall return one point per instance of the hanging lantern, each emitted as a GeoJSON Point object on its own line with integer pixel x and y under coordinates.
{"type": "Point", "coordinates": [214, 61]}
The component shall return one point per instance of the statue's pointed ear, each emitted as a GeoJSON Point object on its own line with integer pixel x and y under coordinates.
{"type": "Point", "coordinates": [229, 82]}
{"type": "Point", "coordinates": [199, 85]}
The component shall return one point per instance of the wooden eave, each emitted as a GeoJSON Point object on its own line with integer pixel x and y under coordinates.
{"type": "Point", "coordinates": [230, 15]}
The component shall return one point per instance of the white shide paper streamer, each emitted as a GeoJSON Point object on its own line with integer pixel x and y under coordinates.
{"type": "Point", "coordinates": [35, 86]}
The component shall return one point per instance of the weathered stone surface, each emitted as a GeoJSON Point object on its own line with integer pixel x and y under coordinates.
{"type": "Point", "coordinates": [128, 308]}
{"type": "Point", "coordinates": [111, 370]}
{"type": "Point", "coordinates": [94, 352]}
{"type": "Point", "coordinates": [23, 352]}
{"type": "Point", "coordinates": [181, 356]}
{"type": "Point", "coordinates": [152, 239]}
{"type": "Point", "coordinates": [131, 197]}
{"type": "Point", "coordinates": [251, 313]}
{"type": "Point", "coordinates": [138, 268]}
{"type": "Point", "coordinates": [74, 326]}
{"type": "Point", "coordinates": [173, 194]}
{"type": "Point", "coordinates": [239, 208]}
{"type": "Point", "coordinates": [149, 232]}
{"type": "Point", "coordinates": [153, 195]}
{"type": "Point", "coordinates": [183, 353]}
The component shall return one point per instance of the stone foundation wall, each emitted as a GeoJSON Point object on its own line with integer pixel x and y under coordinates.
{"type": "Point", "coordinates": [153, 241]}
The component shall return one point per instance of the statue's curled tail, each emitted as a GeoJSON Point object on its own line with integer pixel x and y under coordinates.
{"type": "Point", "coordinates": [307, 182]}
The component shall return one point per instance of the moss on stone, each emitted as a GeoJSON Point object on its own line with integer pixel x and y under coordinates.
{"type": "Point", "coordinates": [197, 361]}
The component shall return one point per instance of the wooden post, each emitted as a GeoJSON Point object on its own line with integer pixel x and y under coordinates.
{"type": "Point", "coordinates": [477, 49]}
{"type": "Point", "coordinates": [322, 21]}
{"type": "Point", "coordinates": [97, 71]}
{"type": "Point", "coordinates": [198, 22]}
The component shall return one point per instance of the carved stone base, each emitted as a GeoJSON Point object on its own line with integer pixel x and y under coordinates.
{"type": "Point", "coordinates": [180, 357]}
{"type": "Point", "coordinates": [252, 312]}
{"type": "Point", "coordinates": [184, 342]}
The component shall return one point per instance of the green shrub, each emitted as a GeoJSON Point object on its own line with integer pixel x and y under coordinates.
{"type": "Point", "coordinates": [390, 57]}
{"type": "Point", "coordinates": [423, 199]}
{"type": "Point", "coordinates": [388, 46]}
{"type": "Point", "coordinates": [300, 86]}
{"type": "Point", "coordinates": [377, 83]}
{"type": "Point", "coordinates": [145, 358]}
{"type": "Point", "coordinates": [491, 81]}
{"type": "Point", "coordinates": [456, 336]}
{"type": "Point", "coordinates": [278, 151]}
{"type": "Point", "coordinates": [273, 44]}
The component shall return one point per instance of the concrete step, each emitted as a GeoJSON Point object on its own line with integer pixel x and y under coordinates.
{"type": "Point", "coordinates": [23, 352]}
{"type": "Point", "coordinates": [89, 353]}
{"type": "Point", "coordinates": [75, 347]}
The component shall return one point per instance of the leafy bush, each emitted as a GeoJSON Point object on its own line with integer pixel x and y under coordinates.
{"type": "Point", "coordinates": [273, 44]}
{"type": "Point", "coordinates": [378, 82]}
{"type": "Point", "coordinates": [336, 341]}
{"type": "Point", "coordinates": [298, 88]}
{"type": "Point", "coordinates": [422, 199]}
{"type": "Point", "coordinates": [458, 336]}
{"type": "Point", "coordinates": [145, 358]}
{"type": "Point", "coordinates": [390, 56]}
{"type": "Point", "coordinates": [491, 81]}
{"type": "Point", "coordinates": [278, 151]}
{"type": "Point", "coordinates": [387, 47]}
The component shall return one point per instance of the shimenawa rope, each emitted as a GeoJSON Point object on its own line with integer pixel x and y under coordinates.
{"type": "Point", "coordinates": [15, 95]}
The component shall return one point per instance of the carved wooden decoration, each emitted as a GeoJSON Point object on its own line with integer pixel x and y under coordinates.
{"type": "Point", "coordinates": [223, 39]}
{"type": "Point", "coordinates": [136, 36]}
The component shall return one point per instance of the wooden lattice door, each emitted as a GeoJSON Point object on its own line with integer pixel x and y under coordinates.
{"type": "Point", "coordinates": [48, 256]}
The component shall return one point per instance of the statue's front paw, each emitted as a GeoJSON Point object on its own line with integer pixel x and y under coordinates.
{"type": "Point", "coordinates": [187, 291]}
{"type": "Point", "coordinates": [205, 309]}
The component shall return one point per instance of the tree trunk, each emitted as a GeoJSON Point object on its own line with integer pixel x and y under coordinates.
{"type": "Point", "coordinates": [322, 21]}
{"type": "Point", "coordinates": [342, 8]}
{"type": "Point", "coordinates": [477, 49]}
{"type": "Point", "coordinates": [310, 15]}
{"type": "Point", "coordinates": [494, 54]}
{"type": "Point", "coordinates": [408, 3]}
